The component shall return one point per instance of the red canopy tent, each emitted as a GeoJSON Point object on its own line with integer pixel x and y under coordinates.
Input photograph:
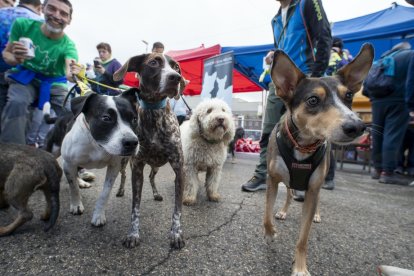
{"type": "Point", "coordinates": [192, 65]}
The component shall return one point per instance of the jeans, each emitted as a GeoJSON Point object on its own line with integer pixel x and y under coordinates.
{"type": "Point", "coordinates": [389, 123]}
{"type": "Point", "coordinates": [15, 113]}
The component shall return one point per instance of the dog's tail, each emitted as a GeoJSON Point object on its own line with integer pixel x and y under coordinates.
{"type": "Point", "coordinates": [54, 174]}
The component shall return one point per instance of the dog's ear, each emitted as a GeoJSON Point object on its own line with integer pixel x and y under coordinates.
{"type": "Point", "coordinates": [78, 104]}
{"type": "Point", "coordinates": [183, 84]}
{"type": "Point", "coordinates": [131, 95]}
{"type": "Point", "coordinates": [353, 74]}
{"type": "Point", "coordinates": [132, 65]}
{"type": "Point", "coordinates": [285, 75]}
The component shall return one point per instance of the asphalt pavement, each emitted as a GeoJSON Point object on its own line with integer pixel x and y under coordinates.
{"type": "Point", "coordinates": [364, 224]}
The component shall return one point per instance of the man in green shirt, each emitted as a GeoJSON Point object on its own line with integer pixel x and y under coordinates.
{"type": "Point", "coordinates": [42, 78]}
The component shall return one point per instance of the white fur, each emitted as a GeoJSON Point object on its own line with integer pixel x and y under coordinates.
{"type": "Point", "coordinates": [79, 149]}
{"type": "Point", "coordinates": [206, 151]}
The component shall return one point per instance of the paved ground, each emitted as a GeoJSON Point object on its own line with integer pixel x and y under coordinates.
{"type": "Point", "coordinates": [364, 224]}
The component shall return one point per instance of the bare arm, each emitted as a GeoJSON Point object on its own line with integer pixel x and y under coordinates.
{"type": "Point", "coordinates": [14, 53]}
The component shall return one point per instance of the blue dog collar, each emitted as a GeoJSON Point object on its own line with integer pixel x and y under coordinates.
{"type": "Point", "coordinates": [158, 105]}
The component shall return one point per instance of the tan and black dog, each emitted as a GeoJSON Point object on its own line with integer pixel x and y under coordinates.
{"type": "Point", "coordinates": [23, 171]}
{"type": "Point", "coordinates": [318, 113]}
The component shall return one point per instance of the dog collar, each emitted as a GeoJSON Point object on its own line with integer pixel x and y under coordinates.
{"type": "Point", "coordinates": [158, 105]}
{"type": "Point", "coordinates": [303, 149]}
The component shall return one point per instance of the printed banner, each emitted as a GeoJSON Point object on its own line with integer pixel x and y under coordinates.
{"type": "Point", "coordinates": [218, 78]}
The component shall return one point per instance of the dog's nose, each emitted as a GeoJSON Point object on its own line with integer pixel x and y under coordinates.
{"type": "Point", "coordinates": [130, 143]}
{"type": "Point", "coordinates": [354, 129]}
{"type": "Point", "coordinates": [174, 78]}
{"type": "Point", "coordinates": [220, 120]}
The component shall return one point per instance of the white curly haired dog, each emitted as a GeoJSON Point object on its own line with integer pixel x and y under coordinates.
{"type": "Point", "coordinates": [205, 138]}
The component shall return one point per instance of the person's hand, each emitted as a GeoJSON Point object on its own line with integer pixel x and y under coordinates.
{"type": "Point", "coordinates": [100, 69]}
{"type": "Point", "coordinates": [19, 51]}
{"type": "Point", "coordinates": [75, 68]}
{"type": "Point", "coordinates": [269, 57]}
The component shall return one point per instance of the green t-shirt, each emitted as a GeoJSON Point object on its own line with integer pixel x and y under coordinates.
{"type": "Point", "coordinates": [50, 54]}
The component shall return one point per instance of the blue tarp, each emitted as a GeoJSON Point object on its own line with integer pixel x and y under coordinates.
{"type": "Point", "coordinates": [383, 29]}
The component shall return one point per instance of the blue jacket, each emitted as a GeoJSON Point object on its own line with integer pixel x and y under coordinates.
{"type": "Point", "coordinates": [307, 36]}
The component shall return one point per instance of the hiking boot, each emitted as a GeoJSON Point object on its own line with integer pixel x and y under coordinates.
{"type": "Point", "coordinates": [399, 170]}
{"type": "Point", "coordinates": [375, 174]}
{"type": "Point", "coordinates": [329, 185]}
{"type": "Point", "coordinates": [392, 178]}
{"type": "Point", "coordinates": [254, 184]}
{"type": "Point", "coordinates": [299, 195]}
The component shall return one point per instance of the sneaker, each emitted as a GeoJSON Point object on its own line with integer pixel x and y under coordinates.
{"type": "Point", "coordinates": [254, 184]}
{"type": "Point", "coordinates": [299, 195]}
{"type": "Point", "coordinates": [329, 185]}
{"type": "Point", "coordinates": [399, 170]}
{"type": "Point", "coordinates": [392, 178]}
{"type": "Point", "coordinates": [375, 174]}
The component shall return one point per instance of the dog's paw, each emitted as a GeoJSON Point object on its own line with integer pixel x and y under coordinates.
{"type": "Point", "coordinates": [301, 273]}
{"type": "Point", "coordinates": [317, 218]}
{"type": "Point", "coordinates": [131, 241]}
{"type": "Point", "coordinates": [83, 184]}
{"type": "Point", "coordinates": [76, 209]}
{"type": "Point", "coordinates": [120, 193]}
{"type": "Point", "coordinates": [281, 215]}
{"type": "Point", "coordinates": [215, 197]}
{"type": "Point", "coordinates": [177, 240]}
{"type": "Point", "coordinates": [87, 176]}
{"type": "Point", "coordinates": [189, 200]}
{"type": "Point", "coordinates": [158, 197]}
{"type": "Point", "coordinates": [98, 220]}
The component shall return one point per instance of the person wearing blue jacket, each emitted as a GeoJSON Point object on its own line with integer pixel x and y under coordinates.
{"type": "Point", "coordinates": [390, 116]}
{"type": "Point", "coordinates": [301, 29]}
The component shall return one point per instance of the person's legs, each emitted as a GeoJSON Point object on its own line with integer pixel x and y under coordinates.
{"type": "Point", "coordinates": [378, 118]}
{"type": "Point", "coordinates": [410, 155]}
{"type": "Point", "coordinates": [4, 86]}
{"type": "Point", "coordinates": [274, 110]}
{"type": "Point", "coordinates": [14, 116]}
{"type": "Point", "coordinates": [57, 97]}
{"type": "Point", "coordinates": [35, 123]}
{"type": "Point", "coordinates": [394, 129]}
{"type": "Point", "coordinates": [329, 179]}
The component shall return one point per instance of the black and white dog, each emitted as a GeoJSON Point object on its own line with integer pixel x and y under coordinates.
{"type": "Point", "coordinates": [102, 134]}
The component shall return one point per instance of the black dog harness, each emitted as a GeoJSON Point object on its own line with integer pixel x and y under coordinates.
{"type": "Point", "coordinates": [299, 171]}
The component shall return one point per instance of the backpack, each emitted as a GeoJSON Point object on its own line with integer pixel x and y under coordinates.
{"type": "Point", "coordinates": [379, 82]}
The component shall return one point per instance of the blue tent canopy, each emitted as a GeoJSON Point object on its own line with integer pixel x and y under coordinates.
{"type": "Point", "coordinates": [248, 60]}
{"type": "Point", "coordinates": [383, 29]}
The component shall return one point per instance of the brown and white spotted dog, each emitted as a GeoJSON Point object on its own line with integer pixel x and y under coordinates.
{"type": "Point", "coordinates": [158, 134]}
{"type": "Point", "coordinates": [318, 113]}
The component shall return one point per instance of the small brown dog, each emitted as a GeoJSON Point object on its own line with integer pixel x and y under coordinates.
{"type": "Point", "coordinates": [318, 113]}
{"type": "Point", "coordinates": [23, 171]}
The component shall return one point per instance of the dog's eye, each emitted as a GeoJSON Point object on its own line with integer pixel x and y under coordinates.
{"type": "Point", "coordinates": [153, 63]}
{"type": "Point", "coordinates": [223, 110]}
{"type": "Point", "coordinates": [209, 110]}
{"type": "Point", "coordinates": [135, 120]}
{"type": "Point", "coordinates": [349, 96]}
{"type": "Point", "coordinates": [312, 101]}
{"type": "Point", "coordinates": [176, 67]}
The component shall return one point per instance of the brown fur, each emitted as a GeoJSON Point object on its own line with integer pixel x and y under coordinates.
{"type": "Point", "coordinates": [23, 171]}
{"type": "Point", "coordinates": [330, 119]}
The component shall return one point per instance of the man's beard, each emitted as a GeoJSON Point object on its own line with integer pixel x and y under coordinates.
{"type": "Point", "coordinates": [52, 29]}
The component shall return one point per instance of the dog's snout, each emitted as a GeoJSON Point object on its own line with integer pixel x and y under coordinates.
{"type": "Point", "coordinates": [130, 143]}
{"type": "Point", "coordinates": [174, 78]}
{"type": "Point", "coordinates": [353, 129]}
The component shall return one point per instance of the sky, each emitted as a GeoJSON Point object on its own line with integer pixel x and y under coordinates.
{"type": "Point", "coordinates": [186, 24]}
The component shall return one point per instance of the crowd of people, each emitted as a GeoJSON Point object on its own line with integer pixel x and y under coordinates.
{"type": "Point", "coordinates": [29, 80]}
